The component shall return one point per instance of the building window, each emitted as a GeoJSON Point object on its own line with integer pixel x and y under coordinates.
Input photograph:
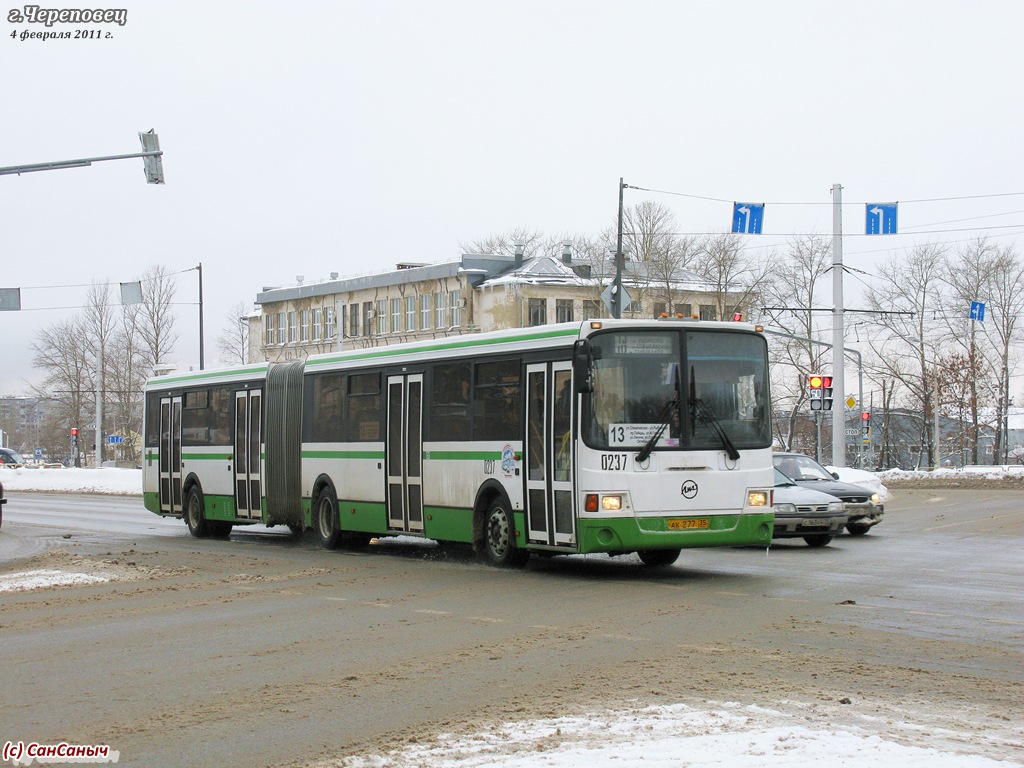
{"type": "Point", "coordinates": [425, 311]}
{"type": "Point", "coordinates": [328, 323]}
{"type": "Point", "coordinates": [537, 314]}
{"type": "Point", "coordinates": [318, 324]}
{"type": "Point", "coordinates": [591, 309]}
{"type": "Point", "coordinates": [353, 320]}
{"type": "Point", "coordinates": [659, 308]}
{"type": "Point", "coordinates": [455, 301]}
{"type": "Point", "coordinates": [293, 326]}
{"type": "Point", "coordinates": [282, 328]}
{"type": "Point", "coordinates": [396, 315]}
{"type": "Point", "coordinates": [410, 313]}
{"type": "Point", "coordinates": [563, 310]}
{"type": "Point", "coordinates": [368, 318]}
{"type": "Point", "coordinates": [269, 323]}
{"type": "Point", "coordinates": [707, 312]}
{"type": "Point", "coordinates": [440, 311]}
{"type": "Point", "coordinates": [684, 310]}
{"type": "Point", "coordinates": [304, 326]}
{"type": "Point", "coordinates": [382, 316]}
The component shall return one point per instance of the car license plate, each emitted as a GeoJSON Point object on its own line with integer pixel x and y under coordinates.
{"type": "Point", "coordinates": [690, 524]}
{"type": "Point", "coordinates": [814, 522]}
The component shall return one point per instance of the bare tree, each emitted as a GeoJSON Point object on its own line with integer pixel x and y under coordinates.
{"type": "Point", "coordinates": [734, 276]}
{"type": "Point", "coordinates": [902, 349]}
{"type": "Point", "coordinates": [233, 342]}
{"type": "Point", "coordinates": [1006, 298]}
{"type": "Point", "coordinates": [154, 318]}
{"type": "Point", "coordinates": [791, 290]}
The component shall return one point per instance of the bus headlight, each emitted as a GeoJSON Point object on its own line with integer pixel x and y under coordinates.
{"type": "Point", "coordinates": [611, 503]}
{"type": "Point", "coordinates": [592, 502]}
{"type": "Point", "coordinates": [759, 499]}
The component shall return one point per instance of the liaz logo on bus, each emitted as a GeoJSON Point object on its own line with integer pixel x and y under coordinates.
{"type": "Point", "coordinates": [689, 489]}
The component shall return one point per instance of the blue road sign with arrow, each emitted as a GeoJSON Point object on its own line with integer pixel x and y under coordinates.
{"type": "Point", "coordinates": [747, 218]}
{"type": "Point", "coordinates": [978, 311]}
{"type": "Point", "coordinates": [881, 218]}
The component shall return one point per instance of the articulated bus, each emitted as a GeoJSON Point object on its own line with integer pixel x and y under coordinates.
{"type": "Point", "coordinates": [611, 436]}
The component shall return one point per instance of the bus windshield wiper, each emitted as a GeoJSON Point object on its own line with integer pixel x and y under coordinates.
{"type": "Point", "coordinates": [708, 417]}
{"type": "Point", "coordinates": [671, 408]}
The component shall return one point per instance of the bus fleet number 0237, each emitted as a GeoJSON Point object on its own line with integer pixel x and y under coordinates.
{"type": "Point", "coordinates": [613, 461]}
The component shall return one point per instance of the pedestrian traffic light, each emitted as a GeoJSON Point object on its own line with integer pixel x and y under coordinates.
{"type": "Point", "coordinates": [815, 387]}
{"type": "Point", "coordinates": [826, 393]}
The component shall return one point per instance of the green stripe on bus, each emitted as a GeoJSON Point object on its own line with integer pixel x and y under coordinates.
{"type": "Point", "coordinates": [461, 455]}
{"type": "Point", "coordinates": [199, 376]}
{"type": "Point", "coordinates": [441, 346]}
{"type": "Point", "coordinates": [207, 456]}
{"type": "Point", "coordinates": [343, 454]}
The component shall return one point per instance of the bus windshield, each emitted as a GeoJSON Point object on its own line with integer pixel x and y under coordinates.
{"type": "Point", "coordinates": [678, 389]}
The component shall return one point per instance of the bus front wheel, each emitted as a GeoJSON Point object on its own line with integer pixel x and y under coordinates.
{"type": "Point", "coordinates": [327, 526]}
{"type": "Point", "coordinates": [195, 517]}
{"type": "Point", "coordinates": [499, 537]}
{"type": "Point", "coordinates": [658, 557]}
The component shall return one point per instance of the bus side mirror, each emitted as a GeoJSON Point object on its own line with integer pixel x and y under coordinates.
{"type": "Point", "coordinates": [583, 366]}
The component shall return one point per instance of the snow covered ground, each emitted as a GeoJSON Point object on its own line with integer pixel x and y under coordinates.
{"type": "Point", "coordinates": [719, 734]}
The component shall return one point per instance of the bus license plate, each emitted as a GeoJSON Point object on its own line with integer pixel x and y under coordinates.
{"type": "Point", "coordinates": [817, 522]}
{"type": "Point", "coordinates": [686, 525]}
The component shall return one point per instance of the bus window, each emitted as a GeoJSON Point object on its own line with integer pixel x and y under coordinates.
{"type": "Point", "coordinates": [363, 422]}
{"type": "Point", "coordinates": [496, 404]}
{"type": "Point", "coordinates": [449, 410]}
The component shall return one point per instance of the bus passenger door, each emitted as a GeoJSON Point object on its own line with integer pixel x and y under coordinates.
{"type": "Point", "coordinates": [404, 452]}
{"type": "Point", "coordinates": [549, 453]}
{"type": "Point", "coordinates": [248, 441]}
{"type": "Point", "coordinates": [170, 455]}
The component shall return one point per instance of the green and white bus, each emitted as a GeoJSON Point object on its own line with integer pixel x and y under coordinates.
{"type": "Point", "coordinates": [611, 436]}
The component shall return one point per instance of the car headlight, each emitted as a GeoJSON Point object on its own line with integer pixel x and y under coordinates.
{"type": "Point", "coordinates": [875, 498]}
{"type": "Point", "coordinates": [836, 508]}
{"type": "Point", "coordinates": [785, 509]}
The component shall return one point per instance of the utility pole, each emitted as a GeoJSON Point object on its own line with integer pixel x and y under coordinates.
{"type": "Point", "coordinates": [838, 354]}
{"type": "Point", "coordinates": [617, 291]}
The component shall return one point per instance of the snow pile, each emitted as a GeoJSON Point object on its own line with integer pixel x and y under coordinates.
{"type": "Point", "coordinates": [26, 580]}
{"type": "Point", "coordinates": [118, 482]}
{"type": "Point", "coordinates": [680, 736]}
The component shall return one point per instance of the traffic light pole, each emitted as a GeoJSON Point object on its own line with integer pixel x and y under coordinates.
{"type": "Point", "coordinates": [838, 356]}
{"type": "Point", "coordinates": [842, 394]}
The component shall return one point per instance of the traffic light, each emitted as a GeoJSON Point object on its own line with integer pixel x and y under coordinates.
{"type": "Point", "coordinates": [74, 431]}
{"type": "Point", "coordinates": [826, 393]}
{"type": "Point", "coordinates": [815, 386]}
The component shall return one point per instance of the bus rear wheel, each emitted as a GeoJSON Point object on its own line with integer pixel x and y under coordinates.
{"type": "Point", "coordinates": [658, 557]}
{"type": "Point", "coordinates": [327, 526]}
{"type": "Point", "coordinates": [499, 537]}
{"type": "Point", "coordinates": [195, 517]}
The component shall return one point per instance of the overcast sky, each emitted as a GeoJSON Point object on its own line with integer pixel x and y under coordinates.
{"type": "Point", "coordinates": [306, 138]}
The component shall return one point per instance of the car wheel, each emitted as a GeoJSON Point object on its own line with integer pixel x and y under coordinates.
{"type": "Point", "coordinates": [857, 529]}
{"type": "Point", "coordinates": [818, 540]}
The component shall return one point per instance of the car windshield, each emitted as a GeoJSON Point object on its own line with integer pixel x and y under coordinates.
{"type": "Point", "coordinates": [802, 468]}
{"type": "Point", "coordinates": [11, 457]}
{"type": "Point", "coordinates": [781, 478]}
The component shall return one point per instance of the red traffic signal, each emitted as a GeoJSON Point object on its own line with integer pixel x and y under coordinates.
{"type": "Point", "coordinates": [865, 415]}
{"type": "Point", "coordinates": [74, 431]}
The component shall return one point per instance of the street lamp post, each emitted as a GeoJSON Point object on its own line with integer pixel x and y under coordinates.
{"type": "Point", "coordinates": [617, 291]}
